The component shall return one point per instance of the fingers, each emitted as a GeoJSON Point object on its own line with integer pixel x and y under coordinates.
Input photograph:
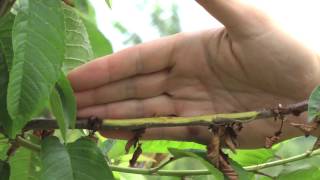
{"type": "Point", "coordinates": [238, 17]}
{"type": "Point", "coordinates": [144, 86]}
{"type": "Point", "coordinates": [157, 106]}
{"type": "Point", "coordinates": [141, 59]}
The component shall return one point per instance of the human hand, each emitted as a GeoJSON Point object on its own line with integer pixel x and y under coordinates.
{"type": "Point", "coordinates": [248, 65]}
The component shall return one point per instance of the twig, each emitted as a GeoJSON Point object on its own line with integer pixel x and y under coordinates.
{"type": "Point", "coordinates": [283, 161]}
{"type": "Point", "coordinates": [207, 120]}
{"type": "Point", "coordinates": [164, 163]}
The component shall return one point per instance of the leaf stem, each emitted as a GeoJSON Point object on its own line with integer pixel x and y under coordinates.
{"type": "Point", "coordinates": [160, 172]}
{"type": "Point", "coordinates": [28, 144]}
{"type": "Point", "coordinates": [305, 155]}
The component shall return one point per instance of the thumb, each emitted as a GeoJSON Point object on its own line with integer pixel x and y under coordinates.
{"type": "Point", "coordinates": [239, 18]}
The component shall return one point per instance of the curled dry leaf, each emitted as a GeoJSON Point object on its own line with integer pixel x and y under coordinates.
{"type": "Point", "coordinates": [230, 139]}
{"type": "Point", "coordinates": [94, 123]}
{"type": "Point", "coordinates": [271, 140]}
{"type": "Point", "coordinates": [213, 148]}
{"type": "Point", "coordinates": [134, 140]}
{"type": "Point", "coordinates": [43, 133]}
{"type": "Point", "coordinates": [135, 155]}
{"type": "Point", "coordinates": [306, 128]}
{"type": "Point", "coordinates": [226, 168]}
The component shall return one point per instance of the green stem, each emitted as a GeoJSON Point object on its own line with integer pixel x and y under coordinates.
{"type": "Point", "coordinates": [28, 144]}
{"type": "Point", "coordinates": [168, 160]}
{"type": "Point", "coordinates": [253, 168]}
{"type": "Point", "coordinates": [160, 172]}
{"type": "Point", "coordinates": [283, 161]}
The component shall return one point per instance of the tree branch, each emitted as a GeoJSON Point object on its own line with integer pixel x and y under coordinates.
{"type": "Point", "coordinates": [206, 120]}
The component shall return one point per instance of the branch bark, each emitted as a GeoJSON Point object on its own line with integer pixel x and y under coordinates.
{"type": "Point", "coordinates": [206, 120]}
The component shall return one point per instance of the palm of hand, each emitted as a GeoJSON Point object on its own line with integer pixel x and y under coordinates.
{"type": "Point", "coordinates": [218, 73]}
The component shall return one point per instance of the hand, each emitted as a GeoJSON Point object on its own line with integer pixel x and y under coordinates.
{"type": "Point", "coordinates": [247, 65]}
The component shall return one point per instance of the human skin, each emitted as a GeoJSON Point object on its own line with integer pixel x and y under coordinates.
{"type": "Point", "coordinates": [250, 64]}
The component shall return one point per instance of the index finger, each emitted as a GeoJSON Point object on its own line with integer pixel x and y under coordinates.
{"type": "Point", "coordinates": [141, 59]}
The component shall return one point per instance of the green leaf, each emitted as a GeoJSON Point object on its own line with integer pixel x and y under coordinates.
{"type": "Point", "coordinates": [109, 2]}
{"type": "Point", "coordinates": [291, 148]}
{"type": "Point", "coordinates": [85, 7]}
{"type": "Point", "coordinates": [4, 146]}
{"type": "Point", "coordinates": [80, 160]}
{"type": "Point", "coordinates": [314, 104]}
{"type": "Point", "coordinates": [202, 156]}
{"type": "Point", "coordinates": [242, 173]}
{"type": "Point", "coordinates": [38, 46]}
{"type": "Point", "coordinates": [25, 164]}
{"type": "Point", "coordinates": [4, 170]}
{"type": "Point", "coordinates": [252, 156]}
{"type": "Point", "coordinates": [295, 147]}
{"type": "Point", "coordinates": [5, 6]}
{"type": "Point", "coordinates": [6, 24]}
{"type": "Point", "coordinates": [161, 146]}
{"type": "Point", "coordinates": [199, 155]}
{"type": "Point", "coordinates": [63, 105]}
{"type": "Point", "coordinates": [77, 48]}
{"type": "Point", "coordinates": [87, 157]}
{"type": "Point", "coordinates": [101, 46]}
{"type": "Point", "coordinates": [154, 146]}
{"type": "Point", "coordinates": [55, 160]}
{"type": "Point", "coordinates": [310, 174]}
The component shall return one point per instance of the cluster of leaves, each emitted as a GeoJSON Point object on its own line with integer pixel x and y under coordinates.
{"type": "Point", "coordinates": [40, 41]}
